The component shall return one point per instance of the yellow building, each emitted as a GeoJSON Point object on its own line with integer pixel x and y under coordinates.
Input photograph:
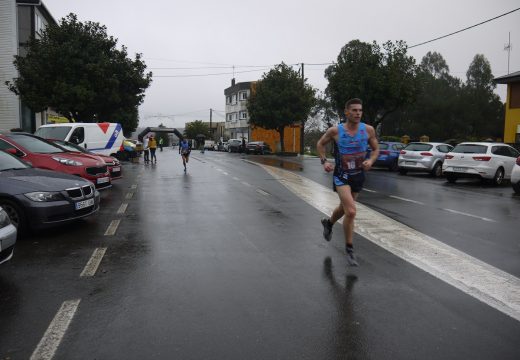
{"type": "Point", "coordinates": [512, 121]}
{"type": "Point", "coordinates": [291, 139]}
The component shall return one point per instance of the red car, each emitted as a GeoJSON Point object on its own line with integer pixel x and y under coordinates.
{"type": "Point", "coordinates": [43, 154]}
{"type": "Point", "coordinates": [114, 166]}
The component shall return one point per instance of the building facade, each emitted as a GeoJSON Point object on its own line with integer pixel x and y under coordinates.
{"type": "Point", "coordinates": [237, 118]}
{"type": "Point", "coordinates": [512, 120]}
{"type": "Point", "coordinates": [19, 21]}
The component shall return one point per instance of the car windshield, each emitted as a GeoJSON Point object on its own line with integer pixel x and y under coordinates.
{"type": "Point", "coordinates": [470, 149]}
{"type": "Point", "coordinates": [53, 132]}
{"type": "Point", "coordinates": [383, 146]}
{"type": "Point", "coordinates": [36, 145]}
{"type": "Point", "coordinates": [418, 147]}
{"type": "Point", "coordinates": [69, 146]}
{"type": "Point", "coordinates": [9, 162]}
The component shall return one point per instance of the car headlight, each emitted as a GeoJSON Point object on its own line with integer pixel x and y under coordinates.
{"type": "Point", "coordinates": [67, 161]}
{"type": "Point", "coordinates": [41, 196]}
{"type": "Point", "coordinates": [4, 218]}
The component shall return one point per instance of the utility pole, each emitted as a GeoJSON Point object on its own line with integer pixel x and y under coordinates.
{"type": "Point", "coordinates": [508, 48]}
{"type": "Point", "coordinates": [302, 129]}
{"type": "Point", "coordinates": [210, 128]}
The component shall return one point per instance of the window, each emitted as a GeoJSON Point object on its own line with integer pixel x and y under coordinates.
{"type": "Point", "coordinates": [243, 115]}
{"type": "Point", "coordinates": [242, 95]}
{"type": "Point", "coordinates": [443, 148]}
{"type": "Point", "coordinates": [78, 135]}
{"type": "Point", "coordinates": [514, 95]}
{"type": "Point", "coordinates": [228, 100]}
{"type": "Point", "coordinates": [233, 99]}
{"type": "Point", "coordinates": [418, 147]}
{"type": "Point", "coordinates": [229, 117]}
{"type": "Point", "coordinates": [470, 149]}
{"type": "Point", "coordinates": [232, 116]}
{"type": "Point", "coordinates": [500, 150]}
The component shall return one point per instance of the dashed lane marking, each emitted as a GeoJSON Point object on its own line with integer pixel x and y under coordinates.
{"type": "Point", "coordinates": [122, 208]}
{"type": "Point", "coordinates": [112, 228]}
{"type": "Point", "coordinates": [368, 190]}
{"type": "Point", "coordinates": [260, 191]}
{"type": "Point", "coordinates": [129, 195]}
{"type": "Point", "coordinates": [484, 282]}
{"type": "Point", "coordinates": [404, 199]}
{"type": "Point", "coordinates": [52, 338]}
{"type": "Point", "coordinates": [93, 264]}
{"type": "Point", "coordinates": [246, 183]}
{"type": "Point", "coordinates": [470, 215]}
{"type": "Point", "coordinates": [134, 186]}
{"type": "Point", "coordinates": [235, 178]}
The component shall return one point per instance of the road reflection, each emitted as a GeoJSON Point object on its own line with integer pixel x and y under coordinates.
{"type": "Point", "coordinates": [348, 338]}
{"type": "Point", "coordinates": [294, 163]}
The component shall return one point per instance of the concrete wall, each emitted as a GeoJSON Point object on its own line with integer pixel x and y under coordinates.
{"type": "Point", "coordinates": [9, 103]}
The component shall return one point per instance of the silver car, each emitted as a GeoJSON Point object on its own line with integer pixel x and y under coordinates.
{"type": "Point", "coordinates": [7, 237]}
{"type": "Point", "coordinates": [423, 157]}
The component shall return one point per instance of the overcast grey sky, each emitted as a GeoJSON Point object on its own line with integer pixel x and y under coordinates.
{"type": "Point", "coordinates": [209, 33]}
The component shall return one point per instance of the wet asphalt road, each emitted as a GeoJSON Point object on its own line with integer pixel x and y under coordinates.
{"type": "Point", "coordinates": [224, 263]}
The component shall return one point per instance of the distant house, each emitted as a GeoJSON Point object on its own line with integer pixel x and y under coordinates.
{"type": "Point", "coordinates": [19, 20]}
{"type": "Point", "coordinates": [237, 120]}
{"type": "Point", "coordinates": [512, 121]}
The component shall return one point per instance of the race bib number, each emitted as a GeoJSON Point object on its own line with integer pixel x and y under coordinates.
{"type": "Point", "coordinates": [352, 162]}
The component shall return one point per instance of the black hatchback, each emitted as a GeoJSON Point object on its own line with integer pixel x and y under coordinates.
{"type": "Point", "coordinates": [258, 147]}
{"type": "Point", "coordinates": [37, 199]}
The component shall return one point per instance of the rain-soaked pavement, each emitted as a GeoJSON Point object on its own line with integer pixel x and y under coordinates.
{"type": "Point", "coordinates": [224, 262]}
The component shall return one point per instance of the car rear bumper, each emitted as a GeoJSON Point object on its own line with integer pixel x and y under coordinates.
{"type": "Point", "coordinates": [7, 241]}
{"type": "Point", "coordinates": [469, 172]}
{"type": "Point", "coordinates": [416, 164]}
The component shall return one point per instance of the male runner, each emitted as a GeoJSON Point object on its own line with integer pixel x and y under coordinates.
{"type": "Point", "coordinates": [184, 150]}
{"type": "Point", "coordinates": [352, 139]}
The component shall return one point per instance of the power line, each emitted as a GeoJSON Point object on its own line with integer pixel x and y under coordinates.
{"type": "Point", "coordinates": [469, 27]}
{"type": "Point", "coordinates": [211, 74]}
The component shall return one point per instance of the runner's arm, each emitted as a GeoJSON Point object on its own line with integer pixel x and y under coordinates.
{"type": "Point", "coordinates": [321, 147]}
{"type": "Point", "coordinates": [372, 141]}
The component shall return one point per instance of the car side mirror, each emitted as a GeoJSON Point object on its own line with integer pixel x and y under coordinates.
{"type": "Point", "coordinates": [14, 152]}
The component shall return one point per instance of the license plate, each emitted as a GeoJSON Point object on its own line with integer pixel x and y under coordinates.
{"type": "Point", "coordinates": [410, 163]}
{"type": "Point", "coordinates": [83, 204]}
{"type": "Point", "coordinates": [459, 169]}
{"type": "Point", "coordinates": [115, 169]}
{"type": "Point", "coordinates": [103, 180]}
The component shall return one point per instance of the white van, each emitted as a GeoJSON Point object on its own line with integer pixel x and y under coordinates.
{"type": "Point", "coordinates": [102, 138]}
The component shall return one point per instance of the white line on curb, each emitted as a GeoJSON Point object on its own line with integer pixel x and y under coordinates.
{"type": "Point", "coordinates": [484, 282]}
{"type": "Point", "coordinates": [112, 228]}
{"type": "Point", "coordinates": [52, 338]}
{"type": "Point", "coordinates": [93, 263]}
{"type": "Point", "coordinates": [122, 208]}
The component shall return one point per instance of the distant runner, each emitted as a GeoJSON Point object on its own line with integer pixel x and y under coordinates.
{"type": "Point", "coordinates": [184, 150]}
{"type": "Point", "coordinates": [352, 139]}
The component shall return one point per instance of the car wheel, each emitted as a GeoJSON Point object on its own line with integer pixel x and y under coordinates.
{"type": "Point", "coordinates": [498, 179]}
{"type": "Point", "coordinates": [402, 171]}
{"type": "Point", "coordinates": [451, 178]}
{"type": "Point", "coordinates": [437, 170]}
{"type": "Point", "coordinates": [16, 214]}
{"type": "Point", "coordinates": [394, 166]}
{"type": "Point", "coordinates": [229, 150]}
{"type": "Point", "coordinates": [516, 187]}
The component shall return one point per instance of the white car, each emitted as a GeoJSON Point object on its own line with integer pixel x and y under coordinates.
{"type": "Point", "coordinates": [7, 237]}
{"type": "Point", "coordinates": [484, 160]}
{"type": "Point", "coordinates": [515, 176]}
{"type": "Point", "coordinates": [423, 156]}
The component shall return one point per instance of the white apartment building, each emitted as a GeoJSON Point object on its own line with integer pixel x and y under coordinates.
{"type": "Point", "coordinates": [237, 118]}
{"type": "Point", "coordinates": [19, 20]}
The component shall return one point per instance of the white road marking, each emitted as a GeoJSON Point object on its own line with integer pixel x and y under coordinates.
{"type": "Point", "coordinates": [368, 190]}
{"type": "Point", "coordinates": [129, 195]}
{"type": "Point", "coordinates": [112, 228]}
{"type": "Point", "coordinates": [246, 183]}
{"type": "Point", "coordinates": [225, 173]}
{"type": "Point", "coordinates": [470, 215]}
{"type": "Point", "coordinates": [407, 200]}
{"type": "Point", "coordinates": [93, 264]}
{"type": "Point", "coordinates": [52, 338]}
{"type": "Point", "coordinates": [484, 282]}
{"type": "Point", "coordinates": [134, 186]}
{"type": "Point", "coordinates": [235, 178]}
{"type": "Point", "coordinates": [122, 208]}
{"type": "Point", "coordinates": [260, 191]}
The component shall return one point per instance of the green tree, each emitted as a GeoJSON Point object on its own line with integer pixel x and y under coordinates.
{"type": "Point", "coordinates": [385, 79]}
{"type": "Point", "coordinates": [195, 129]}
{"type": "Point", "coordinates": [280, 99]}
{"type": "Point", "coordinates": [76, 69]}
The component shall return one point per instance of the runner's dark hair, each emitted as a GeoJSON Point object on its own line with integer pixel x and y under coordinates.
{"type": "Point", "coordinates": [353, 101]}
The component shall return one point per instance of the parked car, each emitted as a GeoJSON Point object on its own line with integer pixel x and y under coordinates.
{"type": "Point", "coordinates": [223, 146]}
{"type": "Point", "coordinates": [43, 154]}
{"type": "Point", "coordinates": [423, 157]}
{"type": "Point", "coordinates": [234, 145]}
{"type": "Point", "coordinates": [113, 164]}
{"type": "Point", "coordinates": [388, 154]}
{"type": "Point", "coordinates": [37, 199]}
{"type": "Point", "coordinates": [515, 176]}
{"type": "Point", "coordinates": [258, 147]}
{"type": "Point", "coordinates": [483, 160]}
{"type": "Point", "coordinates": [8, 235]}
{"type": "Point", "coordinates": [209, 145]}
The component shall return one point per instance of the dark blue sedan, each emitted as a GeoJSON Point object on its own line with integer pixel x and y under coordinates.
{"type": "Point", "coordinates": [389, 154]}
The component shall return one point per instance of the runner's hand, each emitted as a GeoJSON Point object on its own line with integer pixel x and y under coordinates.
{"type": "Point", "coordinates": [367, 165]}
{"type": "Point", "coordinates": [328, 167]}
